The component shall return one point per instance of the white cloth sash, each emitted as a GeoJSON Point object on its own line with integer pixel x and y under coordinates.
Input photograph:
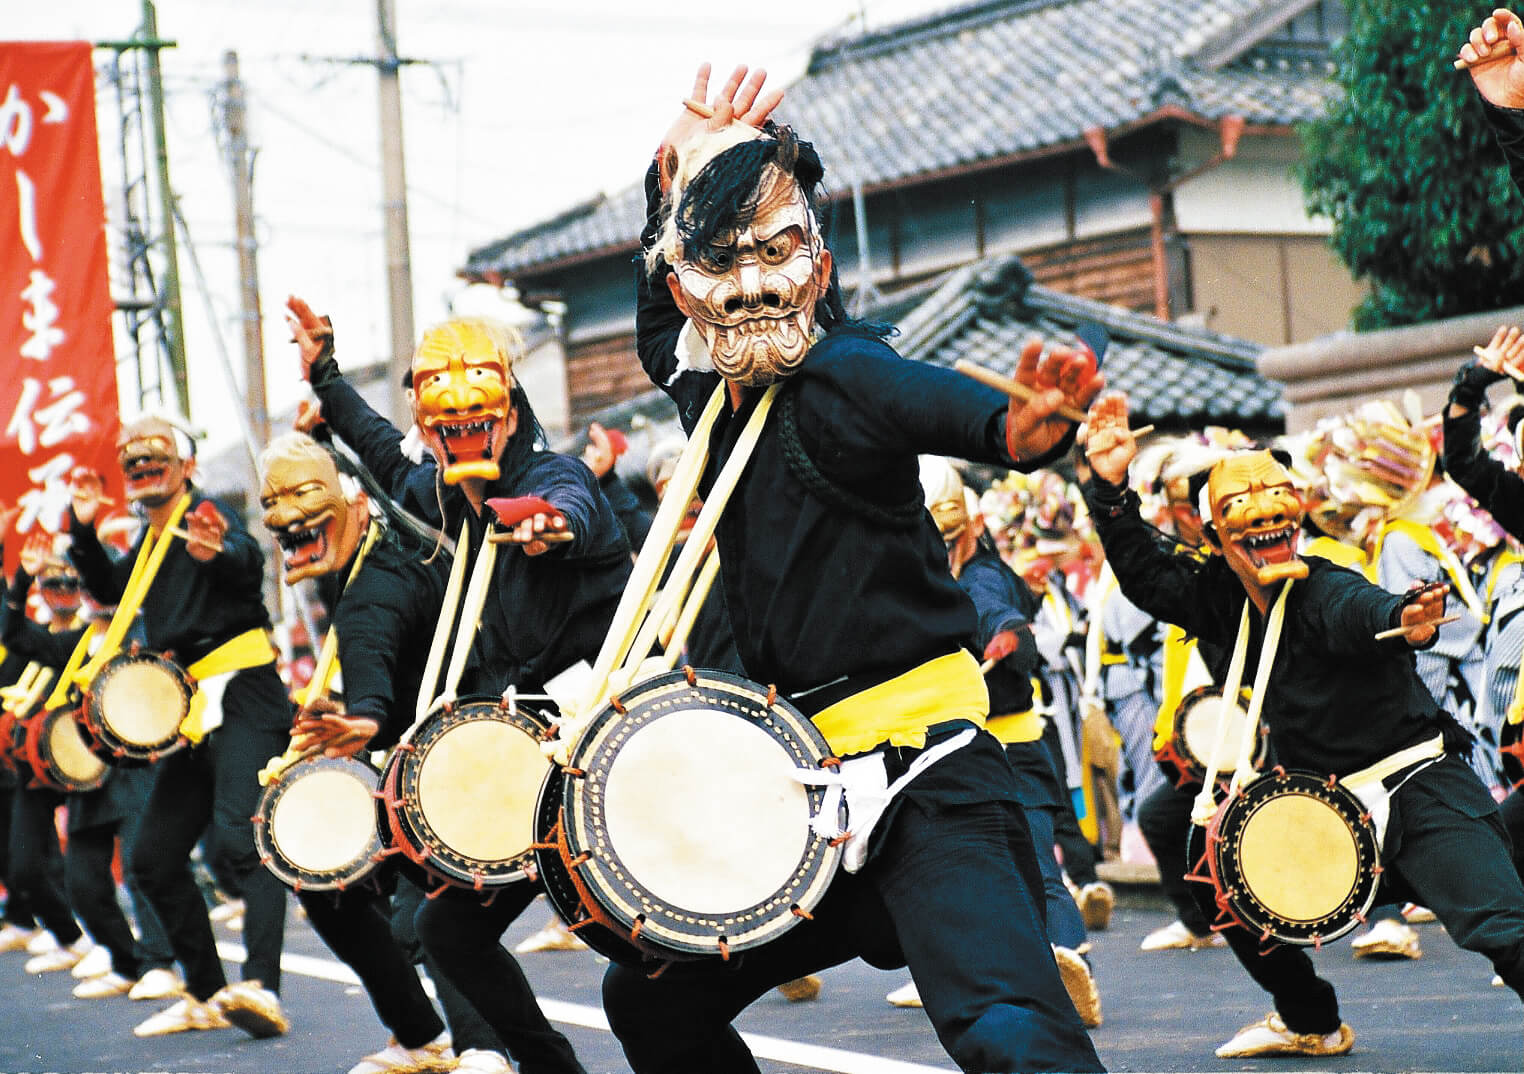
{"type": "Point", "coordinates": [1367, 785]}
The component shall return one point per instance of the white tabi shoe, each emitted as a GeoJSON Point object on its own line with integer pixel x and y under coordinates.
{"type": "Point", "coordinates": [1080, 984]}
{"type": "Point", "coordinates": [60, 958]}
{"type": "Point", "coordinates": [41, 943]}
{"type": "Point", "coordinates": [157, 984]}
{"type": "Point", "coordinates": [16, 938]}
{"type": "Point", "coordinates": [907, 995]}
{"type": "Point", "coordinates": [1387, 939]}
{"type": "Point", "coordinates": [1176, 937]}
{"type": "Point", "coordinates": [481, 1061]}
{"type": "Point", "coordinates": [185, 1016]}
{"type": "Point", "coordinates": [436, 1055]}
{"type": "Point", "coordinates": [1269, 1036]}
{"type": "Point", "coordinates": [96, 962]}
{"type": "Point", "coordinates": [553, 937]}
{"type": "Point", "coordinates": [252, 1008]}
{"type": "Point", "coordinates": [1096, 901]}
{"type": "Point", "coordinates": [102, 986]}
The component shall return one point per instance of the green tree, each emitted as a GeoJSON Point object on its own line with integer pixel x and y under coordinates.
{"type": "Point", "coordinates": [1405, 166]}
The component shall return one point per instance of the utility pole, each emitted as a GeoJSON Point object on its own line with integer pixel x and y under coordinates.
{"type": "Point", "coordinates": [241, 160]}
{"type": "Point", "coordinates": [399, 267]}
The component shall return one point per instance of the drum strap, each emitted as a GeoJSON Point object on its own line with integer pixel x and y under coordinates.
{"type": "Point", "coordinates": [864, 782]}
{"type": "Point", "coordinates": [1204, 805]}
{"type": "Point", "coordinates": [1369, 784]}
{"type": "Point", "coordinates": [71, 673]}
{"type": "Point", "coordinates": [150, 558]}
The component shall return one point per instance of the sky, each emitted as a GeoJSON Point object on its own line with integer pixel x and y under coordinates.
{"type": "Point", "coordinates": [517, 110]}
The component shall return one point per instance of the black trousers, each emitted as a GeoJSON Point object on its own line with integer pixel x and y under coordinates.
{"type": "Point", "coordinates": [1512, 811]}
{"type": "Point", "coordinates": [1079, 853]}
{"type": "Point", "coordinates": [952, 890]}
{"type": "Point", "coordinates": [468, 1029]}
{"type": "Point", "coordinates": [1446, 848]}
{"type": "Point", "coordinates": [356, 926]}
{"type": "Point", "coordinates": [36, 861]}
{"type": "Point", "coordinates": [1164, 818]}
{"type": "Point", "coordinates": [17, 911]}
{"type": "Point", "coordinates": [461, 935]}
{"type": "Point", "coordinates": [92, 892]}
{"type": "Point", "coordinates": [216, 784]}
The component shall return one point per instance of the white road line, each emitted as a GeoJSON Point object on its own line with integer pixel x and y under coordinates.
{"type": "Point", "coordinates": [815, 1056]}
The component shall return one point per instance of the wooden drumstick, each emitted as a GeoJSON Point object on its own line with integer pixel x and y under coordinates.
{"type": "Point", "coordinates": [1013, 387]}
{"type": "Point", "coordinates": [987, 666]}
{"type": "Point", "coordinates": [1398, 631]}
{"type": "Point", "coordinates": [554, 537]}
{"type": "Point", "coordinates": [1500, 51]}
{"type": "Point", "coordinates": [191, 538]}
{"type": "Point", "coordinates": [1512, 370]}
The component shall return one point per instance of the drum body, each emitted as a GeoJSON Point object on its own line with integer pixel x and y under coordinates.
{"type": "Point", "coordinates": [134, 706]}
{"type": "Point", "coordinates": [318, 827]}
{"type": "Point", "coordinates": [12, 735]}
{"type": "Point", "coordinates": [459, 796]}
{"type": "Point", "coordinates": [1294, 858]}
{"type": "Point", "coordinates": [682, 832]}
{"type": "Point", "coordinates": [57, 753]}
{"type": "Point", "coordinates": [1193, 733]}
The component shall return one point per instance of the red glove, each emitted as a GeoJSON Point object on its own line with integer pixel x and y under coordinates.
{"type": "Point", "coordinates": [513, 510]}
{"type": "Point", "coordinates": [1001, 645]}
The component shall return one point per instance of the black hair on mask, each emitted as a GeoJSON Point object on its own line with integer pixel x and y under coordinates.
{"type": "Point", "coordinates": [722, 198]}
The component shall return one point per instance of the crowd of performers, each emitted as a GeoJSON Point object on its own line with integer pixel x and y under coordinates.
{"type": "Point", "coordinates": [940, 692]}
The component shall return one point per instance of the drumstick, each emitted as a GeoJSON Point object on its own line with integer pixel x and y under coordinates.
{"type": "Point", "coordinates": [984, 668]}
{"type": "Point", "coordinates": [215, 546]}
{"type": "Point", "coordinates": [1013, 387]}
{"type": "Point", "coordinates": [1500, 51]}
{"type": "Point", "coordinates": [1398, 631]}
{"type": "Point", "coordinates": [554, 537]}
{"type": "Point", "coordinates": [1512, 370]}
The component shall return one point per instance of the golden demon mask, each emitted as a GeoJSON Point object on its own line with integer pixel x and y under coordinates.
{"type": "Point", "coordinates": [462, 375]}
{"type": "Point", "coordinates": [307, 509]}
{"type": "Point", "coordinates": [1257, 514]}
{"type": "Point", "coordinates": [153, 467]}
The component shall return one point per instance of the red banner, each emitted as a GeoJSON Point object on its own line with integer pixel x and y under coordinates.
{"type": "Point", "coordinates": [58, 398]}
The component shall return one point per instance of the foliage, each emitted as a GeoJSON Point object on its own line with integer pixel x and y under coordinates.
{"type": "Point", "coordinates": [1405, 166]}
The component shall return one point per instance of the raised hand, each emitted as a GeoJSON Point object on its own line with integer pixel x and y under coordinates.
{"type": "Point", "coordinates": [1110, 445]}
{"type": "Point", "coordinates": [1494, 54]}
{"type": "Point", "coordinates": [36, 552]}
{"type": "Point", "coordinates": [1064, 378]}
{"type": "Point", "coordinates": [739, 100]}
{"type": "Point", "coordinates": [1504, 354]}
{"type": "Point", "coordinates": [205, 528]}
{"type": "Point", "coordinates": [87, 492]}
{"type": "Point", "coordinates": [313, 335]}
{"type": "Point", "coordinates": [1424, 612]}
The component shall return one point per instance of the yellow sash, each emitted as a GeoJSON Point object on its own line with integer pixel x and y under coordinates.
{"type": "Point", "coordinates": [251, 649]}
{"type": "Point", "coordinates": [1336, 551]}
{"type": "Point", "coordinates": [899, 711]}
{"type": "Point", "coordinates": [1016, 726]}
{"type": "Point", "coordinates": [1177, 659]}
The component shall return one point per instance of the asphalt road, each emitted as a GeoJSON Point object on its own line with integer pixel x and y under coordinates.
{"type": "Point", "coordinates": [1163, 1012]}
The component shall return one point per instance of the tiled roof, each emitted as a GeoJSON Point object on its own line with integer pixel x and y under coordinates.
{"type": "Point", "coordinates": [1175, 377]}
{"type": "Point", "coordinates": [988, 81]}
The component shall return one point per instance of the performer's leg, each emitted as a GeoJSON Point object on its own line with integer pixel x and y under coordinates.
{"type": "Point", "coordinates": [241, 747]}
{"type": "Point", "coordinates": [463, 935]}
{"type": "Point", "coordinates": [679, 1022]}
{"type": "Point", "coordinates": [1133, 716]}
{"type": "Point", "coordinates": [1164, 818]}
{"type": "Point", "coordinates": [1078, 852]}
{"type": "Point", "coordinates": [18, 914]}
{"type": "Point", "coordinates": [355, 926]}
{"type": "Point", "coordinates": [1452, 853]}
{"type": "Point", "coordinates": [177, 811]}
{"type": "Point", "coordinates": [1041, 800]}
{"type": "Point", "coordinates": [1305, 1002]}
{"type": "Point", "coordinates": [468, 1029]}
{"type": "Point", "coordinates": [92, 892]}
{"type": "Point", "coordinates": [37, 861]}
{"type": "Point", "coordinates": [154, 949]}
{"type": "Point", "coordinates": [959, 886]}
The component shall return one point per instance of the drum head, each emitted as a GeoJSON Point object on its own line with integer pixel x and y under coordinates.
{"type": "Point", "coordinates": [65, 750]}
{"type": "Point", "coordinates": [693, 830]}
{"type": "Point", "coordinates": [137, 703]}
{"type": "Point", "coordinates": [461, 795]}
{"type": "Point", "coordinates": [1295, 858]}
{"type": "Point", "coordinates": [1200, 716]}
{"type": "Point", "coordinates": [470, 792]}
{"type": "Point", "coordinates": [317, 823]}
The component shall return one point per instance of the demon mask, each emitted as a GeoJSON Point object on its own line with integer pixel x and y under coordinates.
{"type": "Point", "coordinates": [462, 376]}
{"type": "Point", "coordinates": [1256, 515]}
{"type": "Point", "coordinates": [153, 466]}
{"type": "Point", "coordinates": [315, 519]}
